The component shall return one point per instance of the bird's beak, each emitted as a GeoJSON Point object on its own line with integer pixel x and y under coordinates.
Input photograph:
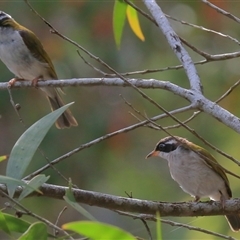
{"type": "Point", "coordinates": [152, 154]}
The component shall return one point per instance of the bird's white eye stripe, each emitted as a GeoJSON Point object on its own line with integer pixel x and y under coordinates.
{"type": "Point", "coordinates": [4, 15]}
{"type": "Point", "coordinates": [172, 141]}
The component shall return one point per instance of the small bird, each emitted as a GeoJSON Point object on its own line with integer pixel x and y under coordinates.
{"type": "Point", "coordinates": [23, 54]}
{"type": "Point", "coordinates": [196, 171]}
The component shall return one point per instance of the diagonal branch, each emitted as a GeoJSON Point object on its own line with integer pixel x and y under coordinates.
{"type": "Point", "coordinates": [102, 138]}
{"type": "Point", "coordinates": [175, 44]}
{"type": "Point", "coordinates": [223, 12]}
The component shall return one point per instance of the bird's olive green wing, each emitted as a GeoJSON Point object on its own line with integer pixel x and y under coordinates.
{"type": "Point", "coordinates": [37, 50]}
{"type": "Point", "coordinates": [211, 162]}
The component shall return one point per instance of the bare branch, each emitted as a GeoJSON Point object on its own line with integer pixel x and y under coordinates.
{"type": "Point", "coordinates": [209, 57]}
{"type": "Point", "coordinates": [197, 100]}
{"type": "Point", "coordinates": [149, 217]}
{"type": "Point", "coordinates": [102, 138]}
{"type": "Point", "coordinates": [204, 29]}
{"type": "Point", "coordinates": [175, 44]}
{"type": "Point", "coordinates": [140, 83]}
{"type": "Point", "coordinates": [3, 193]}
{"type": "Point", "coordinates": [183, 209]}
{"type": "Point", "coordinates": [223, 12]}
{"type": "Point", "coordinates": [16, 106]}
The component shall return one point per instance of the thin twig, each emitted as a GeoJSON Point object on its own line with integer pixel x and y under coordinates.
{"type": "Point", "coordinates": [203, 29]}
{"type": "Point", "coordinates": [90, 65]}
{"type": "Point", "coordinates": [27, 212]}
{"type": "Point", "coordinates": [150, 217]}
{"type": "Point", "coordinates": [210, 57]}
{"type": "Point", "coordinates": [102, 138]}
{"type": "Point", "coordinates": [147, 228]}
{"type": "Point", "coordinates": [223, 12]}
{"type": "Point", "coordinates": [228, 91]}
{"type": "Point", "coordinates": [59, 215]}
{"type": "Point", "coordinates": [133, 108]}
{"type": "Point", "coordinates": [16, 106]}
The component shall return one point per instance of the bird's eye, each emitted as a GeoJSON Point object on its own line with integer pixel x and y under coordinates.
{"type": "Point", "coordinates": [162, 147]}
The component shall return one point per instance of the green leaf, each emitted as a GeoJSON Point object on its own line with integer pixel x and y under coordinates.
{"type": "Point", "coordinates": [3, 224]}
{"type": "Point", "coordinates": [69, 198]}
{"type": "Point", "coordinates": [98, 231]}
{"type": "Point", "coordinates": [10, 223]}
{"type": "Point", "coordinates": [133, 20]}
{"type": "Point", "coordinates": [16, 182]}
{"type": "Point", "coordinates": [119, 18]}
{"type": "Point", "coordinates": [13, 223]}
{"type": "Point", "coordinates": [37, 231]}
{"type": "Point", "coordinates": [24, 149]}
{"type": "Point", "coordinates": [35, 183]}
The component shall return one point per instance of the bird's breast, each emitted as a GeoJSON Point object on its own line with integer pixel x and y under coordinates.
{"type": "Point", "coordinates": [17, 57]}
{"type": "Point", "coordinates": [195, 177]}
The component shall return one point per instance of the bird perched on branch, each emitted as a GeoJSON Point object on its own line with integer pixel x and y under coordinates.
{"type": "Point", "coordinates": [23, 54]}
{"type": "Point", "coordinates": [196, 171]}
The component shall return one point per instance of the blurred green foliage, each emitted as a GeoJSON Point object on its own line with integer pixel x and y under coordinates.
{"type": "Point", "coordinates": [118, 165]}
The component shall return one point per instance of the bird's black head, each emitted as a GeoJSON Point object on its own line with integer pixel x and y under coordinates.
{"type": "Point", "coordinates": [169, 144]}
